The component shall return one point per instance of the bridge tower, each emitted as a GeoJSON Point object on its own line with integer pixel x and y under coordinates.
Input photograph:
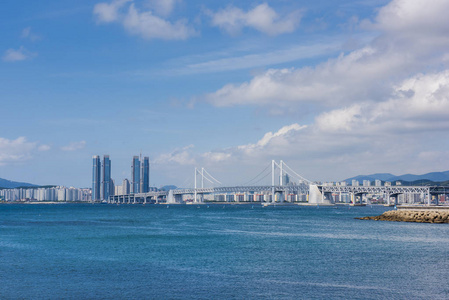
{"type": "Point", "coordinates": [204, 175]}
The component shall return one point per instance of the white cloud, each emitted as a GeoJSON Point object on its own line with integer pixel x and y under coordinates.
{"type": "Point", "coordinates": [18, 150]}
{"type": "Point", "coordinates": [180, 156]}
{"type": "Point", "coordinates": [73, 146]}
{"type": "Point", "coordinates": [270, 144]}
{"type": "Point", "coordinates": [420, 104]}
{"type": "Point", "coordinates": [262, 59]}
{"type": "Point", "coordinates": [163, 7]}
{"type": "Point", "coordinates": [149, 26]}
{"type": "Point", "coordinates": [415, 17]}
{"type": "Point", "coordinates": [28, 34]}
{"type": "Point", "coordinates": [109, 12]}
{"type": "Point", "coordinates": [339, 120]}
{"type": "Point", "coordinates": [262, 18]}
{"type": "Point", "coordinates": [216, 156]}
{"type": "Point", "coordinates": [43, 148]}
{"type": "Point", "coordinates": [405, 133]}
{"type": "Point", "coordinates": [367, 74]}
{"type": "Point", "coordinates": [12, 55]}
{"type": "Point", "coordinates": [142, 23]}
{"type": "Point", "coordinates": [270, 138]}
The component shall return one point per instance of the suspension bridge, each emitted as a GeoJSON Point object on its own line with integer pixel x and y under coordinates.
{"type": "Point", "coordinates": [278, 191]}
{"type": "Point", "coordinates": [281, 190]}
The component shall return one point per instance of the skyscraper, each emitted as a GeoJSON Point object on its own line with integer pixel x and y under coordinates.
{"type": "Point", "coordinates": [125, 187]}
{"type": "Point", "coordinates": [106, 182]}
{"type": "Point", "coordinates": [145, 175]}
{"type": "Point", "coordinates": [286, 179]}
{"type": "Point", "coordinates": [135, 173]}
{"type": "Point", "coordinates": [96, 179]}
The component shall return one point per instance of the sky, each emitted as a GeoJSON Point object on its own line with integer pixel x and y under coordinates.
{"type": "Point", "coordinates": [333, 88]}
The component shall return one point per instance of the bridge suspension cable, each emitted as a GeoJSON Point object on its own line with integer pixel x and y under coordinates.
{"type": "Point", "coordinates": [187, 182]}
{"type": "Point", "coordinates": [253, 180]}
{"type": "Point", "coordinates": [297, 175]}
{"type": "Point", "coordinates": [217, 181]}
{"type": "Point", "coordinates": [202, 173]}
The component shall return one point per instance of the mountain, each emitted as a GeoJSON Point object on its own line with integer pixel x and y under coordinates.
{"type": "Point", "coordinates": [8, 184]}
{"type": "Point", "coordinates": [168, 187]}
{"type": "Point", "coordinates": [372, 177]}
{"type": "Point", "coordinates": [433, 176]}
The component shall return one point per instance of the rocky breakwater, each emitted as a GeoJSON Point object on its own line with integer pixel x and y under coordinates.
{"type": "Point", "coordinates": [420, 216]}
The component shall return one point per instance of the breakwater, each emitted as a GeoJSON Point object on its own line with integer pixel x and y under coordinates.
{"type": "Point", "coordinates": [413, 215]}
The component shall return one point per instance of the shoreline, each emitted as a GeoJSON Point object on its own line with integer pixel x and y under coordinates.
{"type": "Point", "coordinates": [416, 215]}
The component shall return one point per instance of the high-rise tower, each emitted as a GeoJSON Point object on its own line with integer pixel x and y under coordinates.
{"type": "Point", "coordinates": [96, 177]}
{"type": "Point", "coordinates": [135, 173]}
{"type": "Point", "coordinates": [125, 187]}
{"type": "Point", "coordinates": [145, 175]}
{"type": "Point", "coordinates": [106, 183]}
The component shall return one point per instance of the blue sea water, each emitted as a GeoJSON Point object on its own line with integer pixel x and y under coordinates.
{"type": "Point", "coordinates": [75, 251]}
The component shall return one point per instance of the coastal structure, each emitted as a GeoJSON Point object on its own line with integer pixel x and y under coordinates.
{"type": "Point", "coordinates": [418, 215]}
{"type": "Point", "coordinates": [286, 190]}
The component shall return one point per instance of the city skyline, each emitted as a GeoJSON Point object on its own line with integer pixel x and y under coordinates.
{"type": "Point", "coordinates": [104, 185]}
{"type": "Point", "coordinates": [334, 89]}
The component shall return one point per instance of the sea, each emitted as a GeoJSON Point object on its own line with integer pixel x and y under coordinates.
{"type": "Point", "coordinates": [94, 251]}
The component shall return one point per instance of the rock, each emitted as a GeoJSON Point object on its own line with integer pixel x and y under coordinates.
{"type": "Point", "coordinates": [428, 216]}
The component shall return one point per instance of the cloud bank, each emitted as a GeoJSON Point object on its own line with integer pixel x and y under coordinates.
{"type": "Point", "coordinates": [412, 39]}
{"type": "Point", "coordinates": [18, 150]}
{"type": "Point", "coordinates": [262, 18]}
{"type": "Point", "coordinates": [12, 55]}
{"type": "Point", "coordinates": [73, 146]}
{"type": "Point", "coordinates": [145, 24]}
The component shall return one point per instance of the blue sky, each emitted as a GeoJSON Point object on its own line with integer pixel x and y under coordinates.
{"type": "Point", "coordinates": [334, 88]}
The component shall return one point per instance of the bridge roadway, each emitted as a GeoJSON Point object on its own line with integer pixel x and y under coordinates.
{"type": "Point", "coordinates": [163, 195]}
{"type": "Point", "coordinates": [324, 191]}
{"type": "Point", "coordinates": [388, 191]}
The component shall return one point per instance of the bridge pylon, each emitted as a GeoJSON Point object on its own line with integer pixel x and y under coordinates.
{"type": "Point", "coordinates": [204, 175]}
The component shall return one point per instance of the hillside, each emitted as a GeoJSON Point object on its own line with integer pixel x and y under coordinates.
{"type": "Point", "coordinates": [8, 184]}
{"type": "Point", "coordinates": [428, 177]}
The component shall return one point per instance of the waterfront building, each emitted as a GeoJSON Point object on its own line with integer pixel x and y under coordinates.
{"type": "Point", "coordinates": [125, 187]}
{"type": "Point", "coordinates": [366, 183]}
{"type": "Point", "coordinates": [29, 194]}
{"type": "Point", "coordinates": [106, 183]}
{"type": "Point", "coordinates": [377, 182]}
{"type": "Point", "coordinates": [96, 178]}
{"type": "Point", "coordinates": [112, 193]}
{"type": "Point", "coordinates": [62, 194]}
{"type": "Point", "coordinates": [355, 182]}
{"type": "Point", "coordinates": [59, 193]}
{"type": "Point", "coordinates": [285, 179]}
{"type": "Point", "coordinates": [135, 173]}
{"type": "Point", "coordinates": [145, 175]}
{"type": "Point", "coordinates": [118, 190]}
